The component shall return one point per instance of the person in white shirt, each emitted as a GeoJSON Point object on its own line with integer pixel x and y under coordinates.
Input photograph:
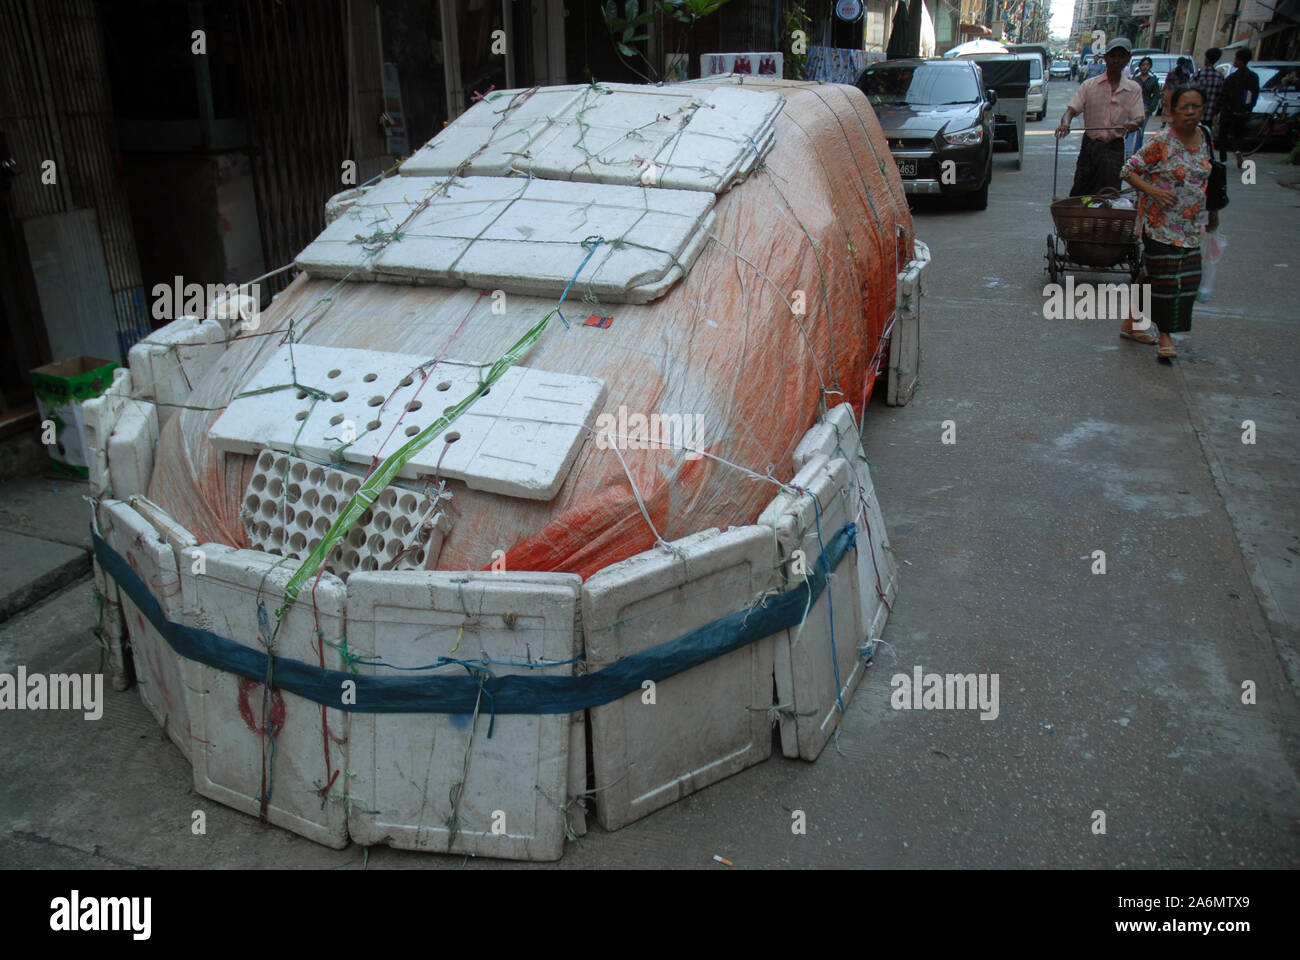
{"type": "Point", "coordinates": [1111, 104]}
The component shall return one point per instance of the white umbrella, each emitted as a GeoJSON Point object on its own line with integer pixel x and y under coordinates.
{"type": "Point", "coordinates": [976, 46]}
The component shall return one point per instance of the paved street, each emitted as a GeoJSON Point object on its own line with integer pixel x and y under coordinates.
{"type": "Point", "coordinates": [1120, 692]}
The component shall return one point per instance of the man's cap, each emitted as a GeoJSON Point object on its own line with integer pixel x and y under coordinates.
{"type": "Point", "coordinates": [1120, 43]}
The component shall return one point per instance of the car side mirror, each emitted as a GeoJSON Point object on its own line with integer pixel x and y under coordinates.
{"type": "Point", "coordinates": [993, 97]}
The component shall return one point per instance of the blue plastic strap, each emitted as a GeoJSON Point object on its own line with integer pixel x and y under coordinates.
{"type": "Point", "coordinates": [509, 694]}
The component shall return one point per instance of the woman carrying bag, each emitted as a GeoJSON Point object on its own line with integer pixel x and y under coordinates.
{"type": "Point", "coordinates": [1173, 171]}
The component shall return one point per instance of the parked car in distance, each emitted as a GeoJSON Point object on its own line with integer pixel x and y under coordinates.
{"type": "Point", "coordinates": [1036, 97]}
{"type": "Point", "coordinates": [1279, 84]}
{"type": "Point", "coordinates": [1060, 70]}
{"type": "Point", "coordinates": [1161, 63]}
{"type": "Point", "coordinates": [935, 113]}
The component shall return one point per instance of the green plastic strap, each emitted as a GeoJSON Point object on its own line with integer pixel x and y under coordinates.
{"type": "Point", "coordinates": [377, 482]}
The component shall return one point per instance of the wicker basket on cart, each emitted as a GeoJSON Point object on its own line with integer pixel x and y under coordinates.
{"type": "Point", "coordinates": [1095, 236]}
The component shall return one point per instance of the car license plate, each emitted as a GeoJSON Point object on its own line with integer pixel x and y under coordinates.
{"type": "Point", "coordinates": [907, 168]}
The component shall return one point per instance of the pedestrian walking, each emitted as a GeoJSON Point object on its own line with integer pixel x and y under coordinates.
{"type": "Point", "coordinates": [1111, 105]}
{"type": "Point", "coordinates": [1172, 170]}
{"type": "Point", "coordinates": [1240, 92]}
{"type": "Point", "coordinates": [1150, 85]}
{"type": "Point", "coordinates": [1211, 83]}
{"type": "Point", "coordinates": [1179, 76]}
{"type": "Point", "coordinates": [1098, 66]}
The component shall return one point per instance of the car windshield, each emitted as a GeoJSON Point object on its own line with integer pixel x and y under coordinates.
{"type": "Point", "coordinates": [1035, 66]}
{"type": "Point", "coordinates": [923, 85]}
{"type": "Point", "coordinates": [1279, 78]}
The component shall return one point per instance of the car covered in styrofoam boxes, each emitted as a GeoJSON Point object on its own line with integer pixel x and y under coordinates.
{"type": "Point", "coordinates": [561, 420]}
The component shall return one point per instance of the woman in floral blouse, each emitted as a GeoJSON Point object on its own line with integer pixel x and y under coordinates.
{"type": "Point", "coordinates": [1172, 171]}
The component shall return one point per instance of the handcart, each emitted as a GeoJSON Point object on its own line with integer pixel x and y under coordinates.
{"type": "Point", "coordinates": [1093, 239]}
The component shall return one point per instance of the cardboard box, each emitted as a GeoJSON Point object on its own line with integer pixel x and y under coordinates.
{"type": "Point", "coordinates": [61, 388]}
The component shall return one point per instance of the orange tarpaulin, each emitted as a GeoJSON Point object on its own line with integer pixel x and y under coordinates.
{"type": "Point", "coordinates": [782, 312]}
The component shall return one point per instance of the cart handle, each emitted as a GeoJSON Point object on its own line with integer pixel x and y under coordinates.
{"type": "Point", "coordinates": [1056, 151]}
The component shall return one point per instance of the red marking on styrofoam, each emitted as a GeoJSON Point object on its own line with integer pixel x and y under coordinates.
{"type": "Point", "coordinates": [246, 687]}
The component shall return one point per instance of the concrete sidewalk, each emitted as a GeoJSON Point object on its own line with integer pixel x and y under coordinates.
{"type": "Point", "coordinates": [1119, 693]}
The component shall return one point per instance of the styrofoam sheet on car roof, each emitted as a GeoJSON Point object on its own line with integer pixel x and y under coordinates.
{"type": "Point", "coordinates": [158, 668]}
{"type": "Point", "coordinates": [704, 724]}
{"type": "Point", "coordinates": [811, 658]}
{"type": "Point", "coordinates": [510, 789]}
{"type": "Point", "coordinates": [490, 137]}
{"type": "Point", "coordinates": [232, 742]}
{"type": "Point", "coordinates": [522, 236]}
{"type": "Point", "coordinates": [520, 439]}
{"type": "Point", "coordinates": [611, 133]}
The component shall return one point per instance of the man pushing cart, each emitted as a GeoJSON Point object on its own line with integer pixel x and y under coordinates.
{"type": "Point", "coordinates": [1111, 105]}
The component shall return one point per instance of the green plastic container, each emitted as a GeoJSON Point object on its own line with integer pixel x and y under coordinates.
{"type": "Point", "coordinates": [61, 388]}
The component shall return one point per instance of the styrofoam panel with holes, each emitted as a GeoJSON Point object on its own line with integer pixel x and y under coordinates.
{"type": "Point", "coordinates": [520, 439]}
{"type": "Point", "coordinates": [407, 765]}
{"type": "Point", "coordinates": [808, 656]}
{"type": "Point", "coordinates": [166, 365]}
{"type": "Point", "coordinates": [838, 436]}
{"type": "Point", "coordinates": [492, 137]}
{"type": "Point", "coordinates": [610, 133]}
{"type": "Point", "coordinates": [158, 668]}
{"type": "Point", "coordinates": [131, 449]}
{"type": "Point", "coordinates": [290, 504]}
{"type": "Point", "coordinates": [230, 745]}
{"type": "Point", "coordinates": [705, 724]}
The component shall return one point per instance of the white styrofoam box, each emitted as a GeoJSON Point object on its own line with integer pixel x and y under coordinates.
{"type": "Point", "coordinates": [97, 474]}
{"type": "Point", "coordinates": [231, 746]}
{"type": "Point", "coordinates": [805, 662]}
{"type": "Point", "coordinates": [100, 414]}
{"type": "Point", "coordinates": [131, 448]}
{"type": "Point", "coordinates": [112, 629]}
{"type": "Point", "coordinates": [905, 342]}
{"type": "Point", "coordinates": [520, 439]}
{"type": "Point", "coordinates": [182, 543]}
{"type": "Point", "coordinates": [493, 136]}
{"type": "Point", "coordinates": [837, 436]}
{"type": "Point", "coordinates": [158, 668]}
{"type": "Point", "coordinates": [836, 431]}
{"type": "Point", "coordinates": [706, 723]}
{"type": "Point", "coordinates": [518, 235]}
{"type": "Point", "coordinates": [234, 312]}
{"type": "Point", "coordinates": [291, 504]}
{"type": "Point", "coordinates": [167, 364]}
{"type": "Point", "coordinates": [576, 803]}
{"type": "Point", "coordinates": [408, 766]}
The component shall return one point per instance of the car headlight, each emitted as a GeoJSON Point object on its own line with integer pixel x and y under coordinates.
{"type": "Point", "coordinates": [964, 138]}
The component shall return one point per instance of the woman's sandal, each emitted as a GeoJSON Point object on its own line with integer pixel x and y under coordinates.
{"type": "Point", "coordinates": [1166, 353]}
{"type": "Point", "coordinates": [1145, 338]}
